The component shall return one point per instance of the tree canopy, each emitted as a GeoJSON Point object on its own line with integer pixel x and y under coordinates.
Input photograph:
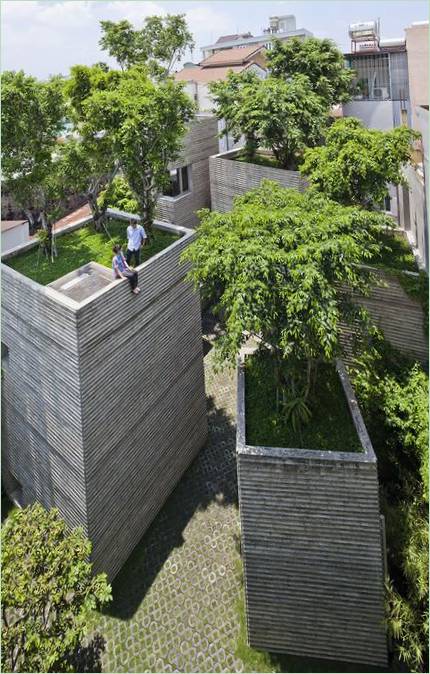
{"type": "Point", "coordinates": [277, 261]}
{"type": "Point", "coordinates": [280, 115]}
{"type": "Point", "coordinates": [160, 44]}
{"type": "Point", "coordinates": [355, 164]}
{"type": "Point", "coordinates": [47, 591]}
{"type": "Point", "coordinates": [32, 118]}
{"type": "Point", "coordinates": [143, 121]}
{"type": "Point", "coordinates": [320, 60]}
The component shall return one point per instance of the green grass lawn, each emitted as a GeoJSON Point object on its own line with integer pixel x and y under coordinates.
{"type": "Point", "coordinates": [330, 427]}
{"type": "Point", "coordinates": [82, 246]}
{"type": "Point", "coordinates": [260, 159]}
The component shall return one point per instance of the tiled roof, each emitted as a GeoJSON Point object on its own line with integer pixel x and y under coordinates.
{"type": "Point", "coordinates": [236, 56]}
{"type": "Point", "coordinates": [203, 75]}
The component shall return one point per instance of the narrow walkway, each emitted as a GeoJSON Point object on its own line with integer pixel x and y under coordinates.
{"type": "Point", "coordinates": [175, 605]}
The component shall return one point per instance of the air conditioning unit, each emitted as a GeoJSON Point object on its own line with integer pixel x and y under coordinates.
{"type": "Point", "coordinates": [381, 93]}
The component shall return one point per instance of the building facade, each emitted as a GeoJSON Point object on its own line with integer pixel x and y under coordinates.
{"type": "Point", "coordinates": [281, 27]}
{"type": "Point", "coordinates": [189, 188]}
{"type": "Point", "coordinates": [103, 397]}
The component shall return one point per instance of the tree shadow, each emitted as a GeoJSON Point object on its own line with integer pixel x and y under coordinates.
{"type": "Point", "coordinates": [88, 657]}
{"type": "Point", "coordinates": [211, 478]}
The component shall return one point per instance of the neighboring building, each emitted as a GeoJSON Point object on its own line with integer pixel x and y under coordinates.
{"type": "Point", "coordinates": [281, 27]}
{"type": "Point", "coordinates": [381, 68]}
{"type": "Point", "coordinates": [417, 47]}
{"type": "Point", "coordinates": [216, 67]}
{"type": "Point", "coordinates": [103, 396]}
{"type": "Point", "coordinates": [189, 174]}
{"type": "Point", "coordinates": [13, 233]}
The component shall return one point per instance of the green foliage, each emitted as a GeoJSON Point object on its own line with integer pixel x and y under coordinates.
{"type": "Point", "coordinates": [393, 393]}
{"type": "Point", "coordinates": [160, 44]}
{"type": "Point", "coordinates": [319, 60]}
{"type": "Point", "coordinates": [277, 261]}
{"type": "Point", "coordinates": [284, 116]}
{"type": "Point", "coordinates": [330, 427]}
{"type": "Point", "coordinates": [119, 195]}
{"type": "Point", "coordinates": [80, 247]}
{"type": "Point", "coordinates": [32, 117]}
{"type": "Point", "coordinates": [143, 122]}
{"type": "Point", "coordinates": [47, 592]}
{"type": "Point", "coordinates": [356, 163]}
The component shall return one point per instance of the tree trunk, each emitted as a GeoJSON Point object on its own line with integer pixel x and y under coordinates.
{"type": "Point", "coordinates": [251, 147]}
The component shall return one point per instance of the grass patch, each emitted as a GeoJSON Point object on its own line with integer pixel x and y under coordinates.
{"type": "Point", "coordinates": [330, 427]}
{"type": "Point", "coordinates": [82, 246]}
{"type": "Point", "coordinates": [260, 159]}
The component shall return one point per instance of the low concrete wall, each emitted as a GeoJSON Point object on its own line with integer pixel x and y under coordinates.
{"type": "Point", "coordinates": [229, 178]}
{"type": "Point", "coordinates": [398, 315]}
{"type": "Point", "coordinates": [104, 399]}
{"type": "Point", "coordinates": [312, 546]}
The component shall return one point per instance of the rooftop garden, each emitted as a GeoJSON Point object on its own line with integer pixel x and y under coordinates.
{"type": "Point", "coordinates": [82, 246]}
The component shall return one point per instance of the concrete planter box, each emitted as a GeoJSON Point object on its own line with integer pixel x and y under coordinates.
{"type": "Point", "coordinates": [229, 178]}
{"type": "Point", "coordinates": [312, 545]}
{"type": "Point", "coordinates": [104, 398]}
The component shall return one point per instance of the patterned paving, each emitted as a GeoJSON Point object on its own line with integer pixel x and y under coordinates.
{"type": "Point", "coordinates": [175, 599]}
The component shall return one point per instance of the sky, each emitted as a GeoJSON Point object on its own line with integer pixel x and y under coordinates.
{"type": "Point", "coordinates": [47, 36]}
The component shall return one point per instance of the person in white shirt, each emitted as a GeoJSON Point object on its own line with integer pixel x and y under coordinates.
{"type": "Point", "coordinates": [136, 237]}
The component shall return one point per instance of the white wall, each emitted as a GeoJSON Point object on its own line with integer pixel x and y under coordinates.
{"type": "Point", "coordinates": [374, 114]}
{"type": "Point", "coordinates": [14, 237]}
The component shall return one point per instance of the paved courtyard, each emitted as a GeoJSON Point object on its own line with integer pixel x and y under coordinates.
{"type": "Point", "coordinates": [175, 600]}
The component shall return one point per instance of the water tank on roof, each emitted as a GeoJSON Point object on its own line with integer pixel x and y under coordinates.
{"type": "Point", "coordinates": [364, 30]}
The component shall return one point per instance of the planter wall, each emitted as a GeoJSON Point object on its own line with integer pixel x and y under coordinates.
{"type": "Point", "coordinates": [229, 178]}
{"type": "Point", "coordinates": [312, 546]}
{"type": "Point", "coordinates": [200, 142]}
{"type": "Point", "coordinates": [398, 315]}
{"type": "Point", "coordinates": [104, 399]}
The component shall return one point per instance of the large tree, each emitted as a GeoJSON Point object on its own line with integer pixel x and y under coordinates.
{"type": "Point", "coordinates": [47, 592]}
{"type": "Point", "coordinates": [160, 44]}
{"type": "Point", "coordinates": [356, 163]}
{"type": "Point", "coordinates": [280, 262]}
{"type": "Point", "coordinates": [32, 119]}
{"type": "Point", "coordinates": [320, 60]}
{"type": "Point", "coordinates": [89, 162]}
{"type": "Point", "coordinates": [144, 122]}
{"type": "Point", "coordinates": [282, 115]}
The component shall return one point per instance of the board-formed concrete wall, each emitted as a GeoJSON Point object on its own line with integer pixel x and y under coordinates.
{"type": "Point", "coordinates": [312, 546]}
{"type": "Point", "coordinates": [200, 142]}
{"type": "Point", "coordinates": [229, 178]}
{"type": "Point", "coordinates": [105, 400]}
{"type": "Point", "coordinates": [398, 315]}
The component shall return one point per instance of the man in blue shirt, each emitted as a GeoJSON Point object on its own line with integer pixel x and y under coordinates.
{"type": "Point", "coordinates": [137, 238]}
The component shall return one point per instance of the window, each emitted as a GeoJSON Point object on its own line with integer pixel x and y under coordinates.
{"type": "Point", "coordinates": [4, 355]}
{"type": "Point", "coordinates": [179, 182]}
{"type": "Point", "coordinates": [372, 76]}
{"type": "Point", "coordinates": [387, 204]}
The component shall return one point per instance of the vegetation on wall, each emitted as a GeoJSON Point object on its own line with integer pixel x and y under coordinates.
{"type": "Point", "coordinates": [393, 393]}
{"type": "Point", "coordinates": [47, 592]}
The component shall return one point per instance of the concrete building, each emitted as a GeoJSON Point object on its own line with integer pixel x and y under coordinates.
{"type": "Point", "coordinates": [13, 233]}
{"type": "Point", "coordinates": [103, 397]}
{"type": "Point", "coordinates": [417, 47]}
{"type": "Point", "coordinates": [189, 175]}
{"type": "Point", "coordinates": [216, 67]}
{"type": "Point", "coordinates": [281, 27]}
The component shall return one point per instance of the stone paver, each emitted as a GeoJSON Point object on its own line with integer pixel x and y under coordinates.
{"type": "Point", "coordinates": [175, 600]}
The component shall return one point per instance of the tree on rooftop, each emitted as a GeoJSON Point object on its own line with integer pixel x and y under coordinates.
{"type": "Point", "coordinates": [47, 593]}
{"type": "Point", "coordinates": [319, 60]}
{"type": "Point", "coordinates": [32, 118]}
{"type": "Point", "coordinates": [144, 122]}
{"type": "Point", "coordinates": [278, 261]}
{"type": "Point", "coordinates": [356, 164]}
{"type": "Point", "coordinates": [160, 44]}
{"type": "Point", "coordinates": [89, 162]}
